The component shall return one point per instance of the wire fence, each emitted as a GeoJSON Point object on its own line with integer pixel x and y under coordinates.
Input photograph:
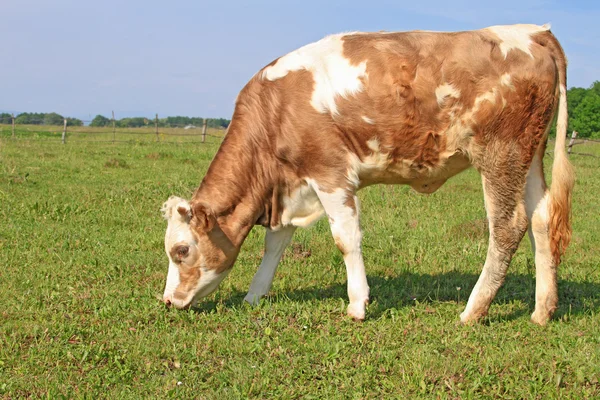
{"type": "Point", "coordinates": [153, 130]}
{"type": "Point", "coordinates": [574, 142]}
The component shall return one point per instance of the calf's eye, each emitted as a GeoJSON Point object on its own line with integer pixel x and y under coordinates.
{"type": "Point", "coordinates": [182, 251]}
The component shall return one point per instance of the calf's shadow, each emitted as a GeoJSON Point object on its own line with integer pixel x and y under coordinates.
{"type": "Point", "coordinates": [575, 298]}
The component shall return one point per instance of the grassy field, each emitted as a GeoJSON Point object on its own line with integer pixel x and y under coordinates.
{"type": "Point", "coordinates": [82, 260]}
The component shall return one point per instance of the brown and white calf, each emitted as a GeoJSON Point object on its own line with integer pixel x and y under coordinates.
{"type": "Point", "coordinates": [356, 109]}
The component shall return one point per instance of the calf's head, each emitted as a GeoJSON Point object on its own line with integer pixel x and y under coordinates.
{"type": "Point", "coordinates": [200, 254]}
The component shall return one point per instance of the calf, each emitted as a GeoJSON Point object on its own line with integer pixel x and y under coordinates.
{"type": "Point", "coordinates": [351, 110]}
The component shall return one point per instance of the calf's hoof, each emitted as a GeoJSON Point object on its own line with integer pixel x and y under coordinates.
{"type": "Point", "coordinates": [541, 317]}
{"type": "Point", "coordinates": [471, 318]}
{"type": "Point", "coordinates": [357, 310]}
{"type": "Point", "coordinates": [252, 299]}
{"type": "Point", "coordinates": [544, 309]}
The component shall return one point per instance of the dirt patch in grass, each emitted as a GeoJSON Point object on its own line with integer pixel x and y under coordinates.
{"type": "Point", "coordinates": [19, 178]}
{"type": "Point", "coordinates": [159, 155]}
{"type": "Point", "coordinates": [463, 187]}
{"type": "Point", "coordinates": [116, 163]}
{"type": "Point", "coordinates": [190, 161]}
{"type": "Point", "coordinates": [299, 251]}
{"type": "Point", "coordinates": [477, 229]}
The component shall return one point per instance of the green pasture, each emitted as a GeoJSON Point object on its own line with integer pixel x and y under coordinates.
{"type": "Point", "coordinates": [82, 261]}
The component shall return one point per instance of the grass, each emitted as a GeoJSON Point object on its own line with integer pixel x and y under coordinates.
{"type": "Point", "coordinates": [82, 260]}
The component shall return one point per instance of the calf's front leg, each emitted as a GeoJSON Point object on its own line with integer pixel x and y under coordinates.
{"type": "Point", "coordinates": [341, 207]}
{"type": "Point", "coordinates": [275, 244]}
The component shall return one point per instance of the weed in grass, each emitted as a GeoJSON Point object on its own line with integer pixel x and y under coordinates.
{"type": "Point", "coordinates": [116, 163]}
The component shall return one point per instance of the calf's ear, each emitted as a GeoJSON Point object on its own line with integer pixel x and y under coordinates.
{"type": "Point", "coordinates": [176, 203]}
{"type": "Point", "coordinates": [204, 217]}
{"type": "Point", "coordinates": [184, 210]}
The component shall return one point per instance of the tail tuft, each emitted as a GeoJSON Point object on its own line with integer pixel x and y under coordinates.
{"type": "Point", "coordinates": [563, 178]}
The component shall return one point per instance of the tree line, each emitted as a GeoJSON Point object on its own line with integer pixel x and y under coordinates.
{"type": "Point", "coordinates": [100, 120]}
{"type": "Point", "coordinates": [39, 119]}
{"type": "Point", "coordinates": [584, 116]}
{"type": "Point", "coordinates": [168, 122]}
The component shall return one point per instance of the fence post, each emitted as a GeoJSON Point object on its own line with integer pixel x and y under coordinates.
{"type": "Point", "coordinates": [156, 126]}
{"type": "Point", "coordinates": [204, 125]}
{"type": "Point", "coordinates": [13, 125]}
{"type": "Point", "coordinates": [113, 122]}
{"type": "Point", "coordinates": [64, 135]}
{"type": "Point", "coordinates": [572, 142]}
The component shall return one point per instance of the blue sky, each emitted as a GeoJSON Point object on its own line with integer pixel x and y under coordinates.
{"type": "Point", "coordinates": [82, 58]}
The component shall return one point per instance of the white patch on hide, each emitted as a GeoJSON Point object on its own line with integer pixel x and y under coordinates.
{"type": "Point", "coordinates": [172, 280]}
{"type": "Point", "coordinates": [368, 120]}
{"type": "Point", "coordinates": [445, 90]}
{"type": "Point", "coordinates": [178, 231]}
{"type": "Point", "coordinates": [333, 74]}
{"type": "Point", "coordinates": [516, 37]}
{"type": "Point", "coordinates": [374, 163]}
{"type": "Point", "coordinates": [487, 96]}
{"type": "Point", "coordinates": [506, 80]}
{"type": "Point", "coordinates": [302, 208]}
{"type": "Point", "coordinates": [208, 283]}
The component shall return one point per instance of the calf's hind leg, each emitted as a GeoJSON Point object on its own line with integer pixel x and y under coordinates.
{"type": "Point", "coordinates": [536, 202]}
{"type": "Point", "coordinates": [507, 224]}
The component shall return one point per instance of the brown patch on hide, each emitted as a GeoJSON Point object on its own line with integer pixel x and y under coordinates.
{"type": "Point", "coordinates": [203, 217]}
{"type": "Point", "coordinates": [429, 153]}
{"type": "Point", "coordinates": [220, 251]}
{"type": "Point", "coordinates": [271, 216]}
{"type": "Point", "coordinates": [509, 233]}
{"type": "Point", "coordinates": [340, 245]}
{"type": "Point", "coordinates": [506, 210]}
{"type": "Point", "coordinates": [188, 279]}
{"type": "Point", "coordinates": [350, 201]}
{"type": "Point", "coordinates": [521, 124]}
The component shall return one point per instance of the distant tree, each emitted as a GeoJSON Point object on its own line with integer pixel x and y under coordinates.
{"type": "Point", "coordinates": [5, 118]}
{"type": "Point", "coordinates": [134, 122]}
{"type": "Point", "coordinates": [53, 119]}
{"type": "Point", "coordinates": [43, 119]}
{"type": "Point", "coordinates": [586, 117]}
{"type": "Point", "coordinates": [100, 120]}
{"type": "Point", "coordinates": [596, 87]}
{"type": "Point", "coordinates": [218, 122]}
{"type": "Point", "coordinates": [74, 122]}
{"type": "Point", "coordinates": [574, 97]}
{"type": "Point", "coordinates": [21, 118]}
{"type": "Point", "coordinates": [177, 121]}
{"type": "Point", "coordinates": [30, 119]}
